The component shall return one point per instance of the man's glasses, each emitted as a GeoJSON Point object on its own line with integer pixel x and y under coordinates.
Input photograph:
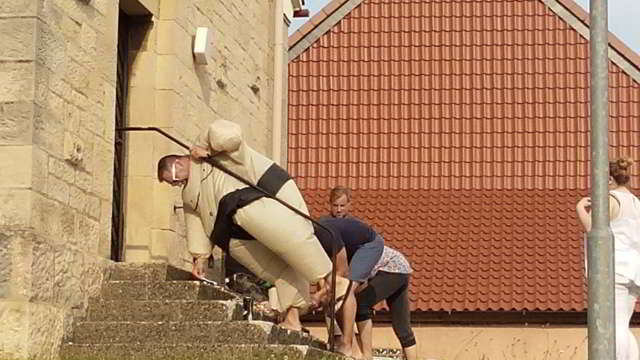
{"type": "Point", "coordinates": [174, 177]}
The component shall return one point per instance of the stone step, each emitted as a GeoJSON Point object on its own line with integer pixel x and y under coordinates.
{"type": "Point", "coordinates": [203, 332]}
{"type": "Point", "coordinates": [193, 352]}
{"type": "Point", "coordinates": [164, 290]}
{"type": "Point", "coordinates": [146, 272]}
{"type": "Point", "coordinates": [164, 310]}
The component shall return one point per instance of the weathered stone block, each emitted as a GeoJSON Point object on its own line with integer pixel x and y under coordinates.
{"type": "Point", "coordinates": [94, 274]}
{"type": "Point", "coordinates": [50, 100]}
{"type": "Point", "coordinates": [46, 218]}
{"type": "Point", "coordinates": [77, 198]}
{"type": "Point", "coordinates": [6, 259]}
{"type": "Point", "coordinates": [160, 240]}
{"type": "Point", "coordinates": [139, 211]}
{"type": "Point", "coordinates": [107, 46]}
{"type": "Point", "coordinates": [163, 290]}
{"type": "Point", "coordinates": [16, 81]}
{"type": "Point", "coordinates": [88, 38]}
{"type": "Point", "coordinates": [61, 169]}
{"type": "Point", "coordinates": [79, 99]}
{"type": "Point", "coordinates": [147, 272]}
{"type": "Point", "coordinates": [17, 36]}
{"type": "Point", "coordinates": [169, 108]}
{"type": "Point", "coordinates": [18, 8]}
{"type": "Point", "coordinates": [104, 240]}
{"type": "Point", "coordinates": [48, 131]}
{"type": "Point", "coordinates": [172, 10]}
{"type": "Point", "coordinates": [193, 332]}
{"type": "Point", "coordinates": [192, 351]}
{"type": "Point", "coordinates": [139, 253]}
{"type": "Point", "coordinates": [130, 271]}
{"type": "Point", "coordinates": [77, 75]}
{"type": "Point", "coordinates": [108, 113]}
{"type": "Point", "coordinates": [51, 47]}
{"type": "Point", "coordinates": [18, 255]}
{"type": "Point", "coordinates": [14, 326]}
{"type": "Point", "coordinates": [88, 232]}
{"type": "Point", "coordinates": [164, 200]}
{"type": "Point", "coordinates": [141, 100]}
{"type": "Point", "coordinates": [40, 170]}
{"type": "Point", "coordinates": [119, 290]}
{"type": "Point", "coordinates": [84, 181]}
{"type": "Point", "coordinates": [80, 11]}
{"type": "Point", "coordinates": [16, 165]}
{"type": "Point", "coordinates": [16, 121]}
{"type": "Point", "coordinates": [90, 126]}
{"type": "Point", "coordinates": [44, 331]}
{"type": "Point", "coordinates": [169, 310]}
{"type": "Point", "coordinates": [143, 69]}
{"type": "Point", "coordinates": [140, 162]}
{"type": "Point", "coordinates": [15, 207]}
{"type": "Point", "coordinates": [92, 207]}
{"type": "Point", "coordinates": [173, 39]}
{"type": "Point", "coordinates": [58, 189]}
{"type": "Point", "coordinates": [29, 330]}
{"type": "Point", "coordinates": [42, 273]}
{"type": "Point", "coordinates": [103, 183]}
{"type": "Point", "coordinates": [166, 36]}
{"type": "Point", "coordinates": [167, 73]}
{"type": "Point", "coordinates": [68, 265]}
{"type": "Point", "coordinates": [105, 7]}
{"type": "Point", "coordinates": [70, 29]}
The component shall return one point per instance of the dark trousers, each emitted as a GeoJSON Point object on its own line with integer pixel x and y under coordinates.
{"type": "Point", "coordinates": [394, 288]}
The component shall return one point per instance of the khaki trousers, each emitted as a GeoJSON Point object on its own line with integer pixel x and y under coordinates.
{"type": "Point", "coordinates": [285, 252]}
{"type": "Point", "coordinates": [292, 289]}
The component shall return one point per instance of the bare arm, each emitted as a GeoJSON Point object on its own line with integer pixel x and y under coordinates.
{"type": "Point", "coordinates": [614, 207]}
{"type": "Point", "coordinates": [197, 242]}
{"type": "Point", "coordinates": [583, 209]}
{"type": "Point", "coordinates": [342, 266]}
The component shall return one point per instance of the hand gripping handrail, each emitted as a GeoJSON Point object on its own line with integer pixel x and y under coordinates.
{"type": "Point", "coordinates": [217, 165]}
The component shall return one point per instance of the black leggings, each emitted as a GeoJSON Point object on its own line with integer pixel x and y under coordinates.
{"type": "Point", "coordinates": [394, 288]}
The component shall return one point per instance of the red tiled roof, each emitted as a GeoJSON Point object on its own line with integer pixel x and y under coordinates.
{"type": "Point", "coordinates": [462, 127]}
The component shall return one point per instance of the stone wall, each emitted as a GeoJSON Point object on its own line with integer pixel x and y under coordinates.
{"type": "Point", "coordinates": [57, 96]}
{"type": "Point", "coordinates": [57, 108]}
{"type": "Point", "coordinates": [170, 91]}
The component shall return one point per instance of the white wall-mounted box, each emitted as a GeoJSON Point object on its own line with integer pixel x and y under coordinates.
{"type": "Point", "coordinates": [202, 46]}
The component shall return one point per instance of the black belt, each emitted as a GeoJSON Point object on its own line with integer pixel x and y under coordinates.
{"type": "Point", "coordinates": [224, 228]}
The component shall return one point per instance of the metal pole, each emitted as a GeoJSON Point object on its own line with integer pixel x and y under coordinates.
{"type": "Point", "coordinates": [600, 315]}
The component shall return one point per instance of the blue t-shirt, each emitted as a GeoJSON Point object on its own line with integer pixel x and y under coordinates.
{"type": "Point", "coordinates": [349, 233]}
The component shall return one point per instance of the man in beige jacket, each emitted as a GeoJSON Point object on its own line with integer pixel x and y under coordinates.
{"type": "Point", "coordinates": [272, 241]}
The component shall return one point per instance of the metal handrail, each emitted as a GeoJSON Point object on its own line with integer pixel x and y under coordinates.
{"type": "Point", "coordinates": [221, 167]}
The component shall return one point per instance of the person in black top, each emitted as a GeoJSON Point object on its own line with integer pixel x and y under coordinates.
{"type": "Point", "coordinates": [362, 246]}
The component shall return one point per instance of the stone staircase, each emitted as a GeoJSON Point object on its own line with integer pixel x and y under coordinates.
{"type": "Point", "coordinates": [155, 311]}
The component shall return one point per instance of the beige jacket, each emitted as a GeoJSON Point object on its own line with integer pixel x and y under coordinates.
{"type": "Point", "coordinates": [207, 185]}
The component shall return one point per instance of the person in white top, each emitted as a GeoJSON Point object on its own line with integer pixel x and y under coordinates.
{"type": "Point", "coordinates": [624, 214]}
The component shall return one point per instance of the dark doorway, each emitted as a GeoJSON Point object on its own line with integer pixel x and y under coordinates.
{"type": "Point", "coordinates": [117, 216]}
